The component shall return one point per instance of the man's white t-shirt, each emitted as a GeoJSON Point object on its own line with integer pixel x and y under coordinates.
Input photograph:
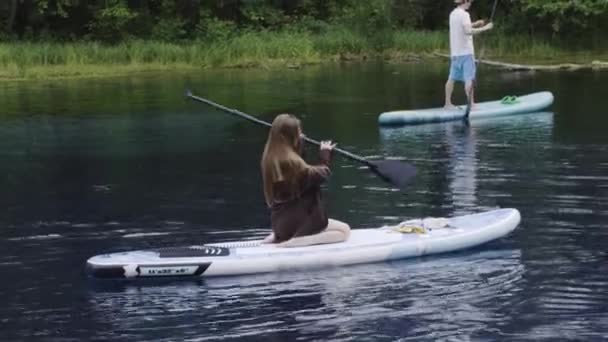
{"type": "Point", "coordinates": [461, 43]}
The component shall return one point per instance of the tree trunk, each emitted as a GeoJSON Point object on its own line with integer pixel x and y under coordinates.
{"type": "Point", "coordinates": [12, 15]}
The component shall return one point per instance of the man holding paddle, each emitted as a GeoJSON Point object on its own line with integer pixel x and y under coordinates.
{"type": "Point", "coordinates": [462, 51]}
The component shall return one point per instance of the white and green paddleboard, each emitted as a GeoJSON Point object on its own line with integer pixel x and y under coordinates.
{"type": "Point", "coordinates": [509, 105]}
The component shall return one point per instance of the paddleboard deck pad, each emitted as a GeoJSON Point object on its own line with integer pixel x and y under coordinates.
{"type": "Point", "coordinates": [509, 105]}
{"type": "Point", "coordinates": [408, 239]}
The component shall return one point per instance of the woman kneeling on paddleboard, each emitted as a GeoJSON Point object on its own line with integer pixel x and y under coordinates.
{"type": "Point", "coordinates": [292, 189]}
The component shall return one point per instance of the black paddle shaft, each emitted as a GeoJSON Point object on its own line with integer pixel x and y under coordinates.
{"type": "Point", "coordinates": [264, 123]}
{"type": "Point", "coordinates": [493, 10]}
{"type": "Point", "coordinates": [468, 108]}
{"type": "Point", "coordinates": [392, 171]}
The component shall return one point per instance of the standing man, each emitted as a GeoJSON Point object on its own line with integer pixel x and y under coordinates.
{"type": "Point", "coordinates": [462, 52]}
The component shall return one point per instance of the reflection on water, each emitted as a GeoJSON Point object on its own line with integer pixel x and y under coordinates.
{"type": "Point", "coordinates": [463, 167]}
{"type": "Point", "coordinates": [409, 299]}
{"type": "Point", "coordinates": [460, 149]}
{"type": "Point", "coordinates": [93, 166]}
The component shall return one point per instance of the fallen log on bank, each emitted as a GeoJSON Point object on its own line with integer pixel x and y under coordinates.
{"type": "Point", "coordinates": [595, 65]}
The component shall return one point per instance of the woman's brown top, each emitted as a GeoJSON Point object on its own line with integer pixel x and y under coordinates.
{"type": "Point", "coordinates": [301, 213]}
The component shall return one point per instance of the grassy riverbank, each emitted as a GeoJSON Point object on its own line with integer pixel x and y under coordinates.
{"type": "Point", "coordinates": [40, 60]}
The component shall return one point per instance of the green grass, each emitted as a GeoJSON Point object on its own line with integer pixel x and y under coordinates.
{"type": "Point", "coordinates": [34, 60]}
{"type": "Point", "coordinates": [421, 41]}
{"type": "Point", "coordinates": [510, 46]}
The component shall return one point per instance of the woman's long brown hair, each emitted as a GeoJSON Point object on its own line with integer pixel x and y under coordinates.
{"type": "Point", "coordinates": [281, 161]}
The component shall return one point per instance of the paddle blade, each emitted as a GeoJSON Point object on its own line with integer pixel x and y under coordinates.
{"type": "Point", "coordinates": [395, 172]}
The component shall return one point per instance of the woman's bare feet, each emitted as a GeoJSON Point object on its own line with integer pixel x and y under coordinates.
{"type": "Point", "coordinates": [268, 239]}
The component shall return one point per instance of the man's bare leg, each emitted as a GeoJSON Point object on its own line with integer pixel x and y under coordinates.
{"type": "Point", "coordinates": [470, 91]}
{"type": "Point", "coordinates": [449, 89]}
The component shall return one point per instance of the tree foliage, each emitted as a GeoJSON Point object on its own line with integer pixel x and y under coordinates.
{"type": "Point", "coordinates": [565, 16]}
{"type": "Point", "coordinates": [174, 20]}
{"type": "Point", "coordinates": [112, 23]}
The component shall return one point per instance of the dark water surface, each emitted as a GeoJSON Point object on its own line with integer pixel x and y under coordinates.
{"type": "Point", "coordinates": [100, 165]}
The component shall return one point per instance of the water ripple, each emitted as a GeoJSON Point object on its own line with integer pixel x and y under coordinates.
{"type": "Point", "coordinates": [432, 294]}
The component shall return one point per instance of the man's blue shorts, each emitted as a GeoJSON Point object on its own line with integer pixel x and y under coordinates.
{"type": "Point", "coordinates": [462, 68]}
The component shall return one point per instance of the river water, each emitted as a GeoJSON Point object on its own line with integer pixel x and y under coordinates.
{"type": "Point", "coordinates": [101, 165]}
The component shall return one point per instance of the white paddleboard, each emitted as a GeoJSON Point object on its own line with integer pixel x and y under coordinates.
{"type": "Point", "coordinates": [409, 239]}
{"type": "Point", "coordinates": [522, 104]}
